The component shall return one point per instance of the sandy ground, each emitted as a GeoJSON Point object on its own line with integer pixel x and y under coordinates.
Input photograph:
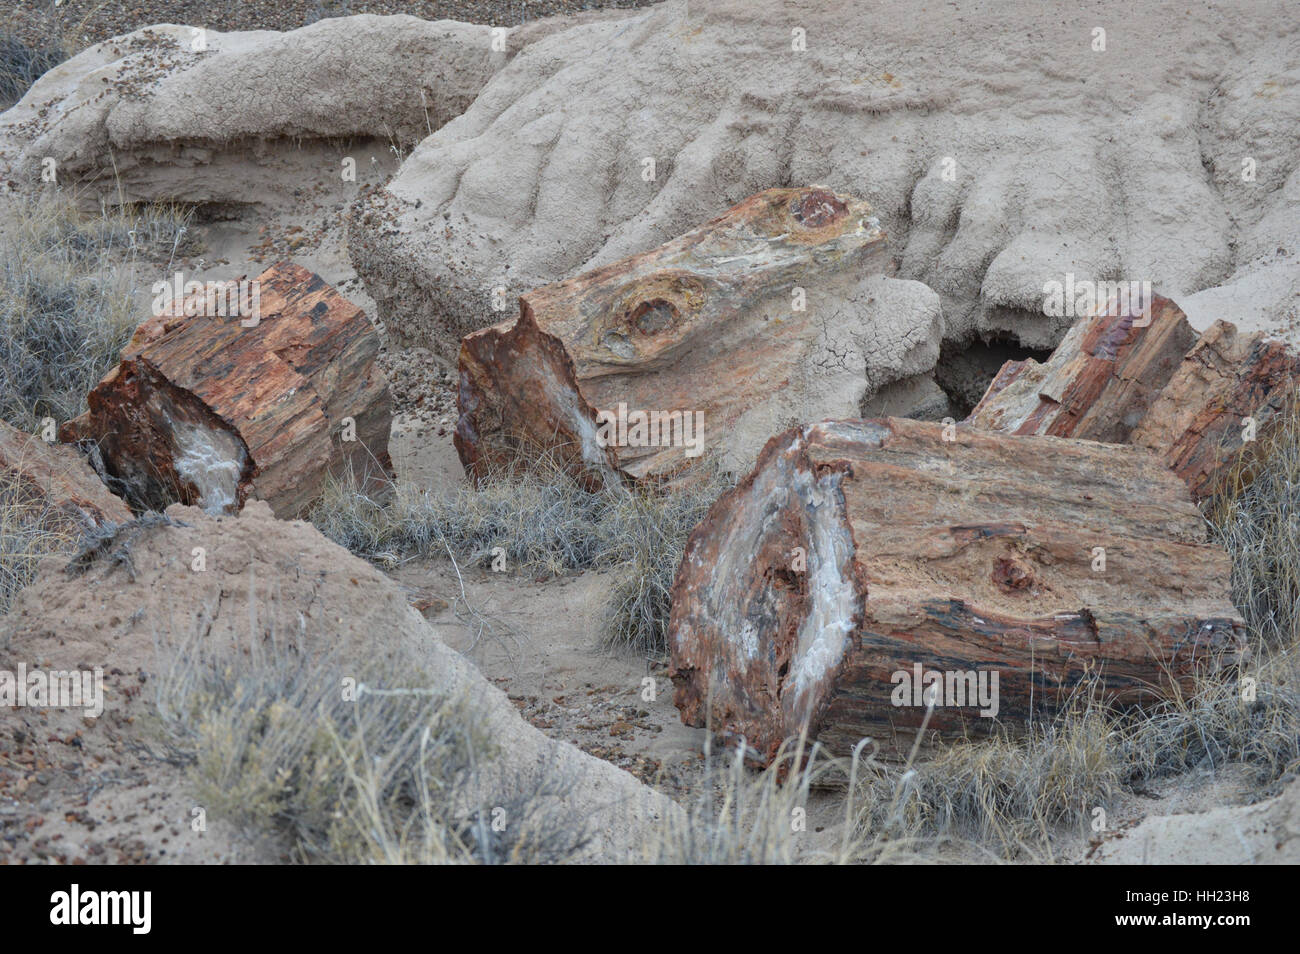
{"type": "Point", "coordinates": [539, 640]}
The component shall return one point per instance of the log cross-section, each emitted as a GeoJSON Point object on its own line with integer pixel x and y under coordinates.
{"type": "Point", "coordinates": [208, 407]}
{"type": "Point", "coordinates": [857, 551]}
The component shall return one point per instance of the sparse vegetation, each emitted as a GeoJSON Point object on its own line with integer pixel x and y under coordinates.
{"type": "Point", "coordinates": [1012, 796]}
{"type": "Point", "coordinates": [1257, 519]}
{"type": "Point", "coordinates": [329, 746]}
{"type": "Point", "coordinates": [1255, 717]}
{"type": "Point", "coordinates": [69, 300]}
{"type": "Point", "coordinates": [739, 816]}
{"type": "Point", "coordinates": [29, 531]}
{"type": "Point", "coordinates": [545, 523]}
{"type": "Point", "coordinates": [1007, 795]}
{"type": "Point", "coordinates": [389, 773]}
{"type": "Point", "coordinates": [22, 65]}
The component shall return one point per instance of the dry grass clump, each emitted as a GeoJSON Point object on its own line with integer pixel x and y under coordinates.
{"type": "Point", "coordinates": [1257, 519]}
{"type": "Point", "coordinates": [1009, 796]}
{"type": "Point", "coordinates": [22, 65]}
{"type": "Point", "coordinates": [647, 550]}
{"type": "Point", "coordinates": [347, 765]}
{"type": "Point", "coordinates": [1254, 718]}
{"type": "Point", "coordinates": [29, 531]}
{"type": "Point", "coordinates": [994, 800]}
{"type": "Point", "coordinates": [1012, 796]}
{"type": "Point", "coordinates": [541, 522]}
{"type": "Point", "coordinates": [70, 294]}
{"type": "Point", "coordinates": [738, 816]}
{"type": "Point", "coordinates": [67, 306]}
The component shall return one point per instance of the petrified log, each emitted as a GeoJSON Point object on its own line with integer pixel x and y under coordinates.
{"type": "Point", "coordinates": [859, 555]}
{"type": "Point", "coordinates": [239, 389]}
{"type": "Point", "coordinates": [57, 479]}
{"type": "Point", "coordinates": [1225, 396]}
{"type": "Point", "coordinates": [1100, 380]}
{"type": "Point", "coordinates": [1125, 377]}
{"type": "Point", "coordinates": [697, 332]}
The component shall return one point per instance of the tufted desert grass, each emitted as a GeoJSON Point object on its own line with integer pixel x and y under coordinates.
{"type": "Point", "coordinates": [340, 764]}
{"type": "Point", "coordinates": [1255, 717]}
{"type": "Point", "coordinates": [1257, 519]}
{"type": "Point", "coordinates": [30, 530]}
{"type": "Point", "coordinates": [541, 522]}
{"type": "Point", "coordinates": [22, 65]}
{"type": "Point", "coordinates": [1014, 797]}
{"type": "Point", "coordinates": [69, 287]}
{"type": "Point", "coordinates": [737, 816]}
{"type": "Point", "coordinates": [71, 293]}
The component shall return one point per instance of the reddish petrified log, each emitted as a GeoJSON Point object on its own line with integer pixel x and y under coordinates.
{"type": "Point", "coordinates": [1225, 396]}
{"type": "Point", "coordinates": [1117, 378]}
{"type": "Point", "coordinates": [859, 550]}
{"type": "Point", "coordinates": [209, 405]}
{"type": "Point", "coordinates": [701, 328]}
{"type": "Point", "coordinates": [1098, 382]}
{"type": "Point", "coordinates": [55, 478]}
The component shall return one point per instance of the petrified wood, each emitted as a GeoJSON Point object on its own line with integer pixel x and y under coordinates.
{"type": "Point", "coordinates": [1121, 378]}
{"type": "Point", "coordinates": [207, 408]}
{"type": "Point", "coordinates": [1225, 396]}
{"type": "Point", "coordinates": [55, 478]}
{"type": "Point", "coordinates": [859, 550]}
{"type": "Point", "coordinates": [706, 327]}
{"type": "Point", "coordinates": [1099, 381]}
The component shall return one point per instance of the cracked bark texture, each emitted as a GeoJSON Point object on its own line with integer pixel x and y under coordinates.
{"type": "Point", "coordinates": [703, 325]}
{"type": "Point", "coordinates": [203, 410]}
{"type": "Point", "coordinates": [1230, 383]}
{"type": "Point", "coordinates": [1099, 382]}
{"type": "Point", "coordinates": [858, 549]}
